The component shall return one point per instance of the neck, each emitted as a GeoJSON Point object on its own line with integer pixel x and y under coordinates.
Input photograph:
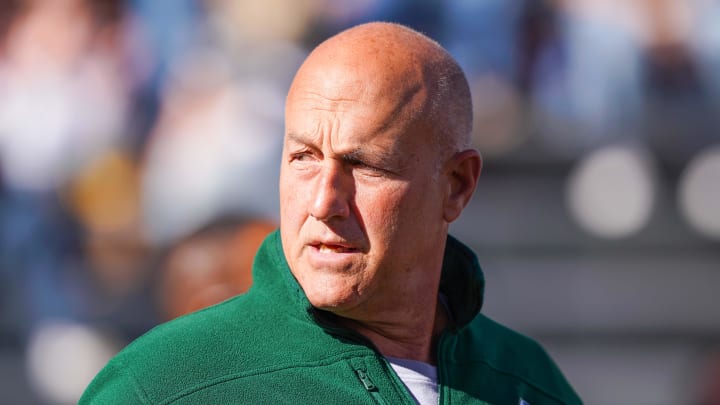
{"type": "Point", "coordinates": [413, 339]}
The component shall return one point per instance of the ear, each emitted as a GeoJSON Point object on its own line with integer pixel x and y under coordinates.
{"type": "Point", "coordinates": [463, 171]}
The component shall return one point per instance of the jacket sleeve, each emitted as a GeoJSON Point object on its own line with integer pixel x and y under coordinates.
{"type": "Point", "coordinates": [115, 384]}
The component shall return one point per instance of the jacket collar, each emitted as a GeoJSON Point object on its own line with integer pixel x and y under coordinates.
{"type": "Point", "coordinates": [462, 282]}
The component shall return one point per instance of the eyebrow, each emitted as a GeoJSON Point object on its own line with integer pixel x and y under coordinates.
{"type": "Point", "coordinates": [298, 138]}
{"type": "Point", "coordinates": [383, 159]}
{"type": "Point", "coordinates": [362, 155]}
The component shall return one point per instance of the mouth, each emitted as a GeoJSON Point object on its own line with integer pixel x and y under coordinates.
{"type": "Point", "coordinates": [333, 248]}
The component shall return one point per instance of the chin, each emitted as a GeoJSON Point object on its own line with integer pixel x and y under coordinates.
{"type": "Point", "coordinates": [330, 302]}
{"type": "Point", "coordinates": [332, 299]}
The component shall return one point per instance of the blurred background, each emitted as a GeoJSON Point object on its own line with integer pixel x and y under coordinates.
{"type": "Point", "coordinates": [139, 155]}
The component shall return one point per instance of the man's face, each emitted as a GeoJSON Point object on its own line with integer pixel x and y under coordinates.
{"type": "Point", "coordinates": [360, 194]}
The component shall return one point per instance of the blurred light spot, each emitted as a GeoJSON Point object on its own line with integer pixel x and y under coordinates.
{"type": "Point", "coordinates": [63, 357]}
{"type": "Point", "coordinates": [699, 194]}
{"type": "Point", "coordinates": [611, 192]}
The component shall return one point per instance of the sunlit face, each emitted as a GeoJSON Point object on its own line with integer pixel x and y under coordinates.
{"type": "Point", "coordinates": [360, 194]}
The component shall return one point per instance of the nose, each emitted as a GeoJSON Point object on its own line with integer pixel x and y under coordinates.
{"type": "Point", "coordinates": [332, 193]}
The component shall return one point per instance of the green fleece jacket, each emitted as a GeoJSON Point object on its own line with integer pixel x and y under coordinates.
{"type": "Point", "coordinates": [271, 346]}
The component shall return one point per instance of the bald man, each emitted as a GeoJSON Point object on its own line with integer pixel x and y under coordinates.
{"type": "Point", "coordinates": [361, 296]}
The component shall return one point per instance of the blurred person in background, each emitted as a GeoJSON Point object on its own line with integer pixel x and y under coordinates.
{"type": "Point", "coordinates": [361, 296]}
{"type": "Point", "coordinates": [70, 252]}
{"type": "Point", "coordinates": [211, 265]}
{"type": "Point", "coordinates": [216, 131]}
{"type": "Point", "coordinates": [63, 102]}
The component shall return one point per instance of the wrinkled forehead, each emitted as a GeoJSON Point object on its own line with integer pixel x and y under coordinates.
{"type": "Point", "coordinates": [375, 88]}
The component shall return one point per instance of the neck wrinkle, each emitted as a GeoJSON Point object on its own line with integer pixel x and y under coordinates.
{"type": "Point", "coordinates": [416, 341]}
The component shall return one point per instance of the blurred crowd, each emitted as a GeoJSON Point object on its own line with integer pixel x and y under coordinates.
{"type": "Point", "coordinates": [140, 139]}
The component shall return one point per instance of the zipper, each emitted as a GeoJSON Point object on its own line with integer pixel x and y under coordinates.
{"type": "Point", "coordinates": [370, 386]}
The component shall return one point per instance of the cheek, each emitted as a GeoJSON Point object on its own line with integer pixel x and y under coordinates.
{"type": "Point", "coordinates": [407, 211]}
{"type": "Point", "coordinates": [291, 210]}
{"type": "Point", "coordinates": [381, 210]}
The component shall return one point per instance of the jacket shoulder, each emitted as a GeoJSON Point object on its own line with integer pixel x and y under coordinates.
{"type": "Point", "coordinates": [186, 352]}
{"type": "Point", "coordinates": [515, 361]}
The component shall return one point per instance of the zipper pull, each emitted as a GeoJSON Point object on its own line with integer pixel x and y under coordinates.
{"type": "Point", "coordinates": [366, 380]}
{"type": "Point", "coordinates": [369, 385]}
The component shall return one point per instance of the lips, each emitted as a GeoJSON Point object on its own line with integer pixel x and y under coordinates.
{"type": "Point", "coordinates": [333, 248]}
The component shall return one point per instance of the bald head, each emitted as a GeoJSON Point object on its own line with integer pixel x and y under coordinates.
{"type": "Point", "coordinates": [405, 74]}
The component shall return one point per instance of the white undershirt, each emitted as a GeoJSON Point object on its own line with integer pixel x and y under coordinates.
{"type": "Point", "coordinates": [419, 377]}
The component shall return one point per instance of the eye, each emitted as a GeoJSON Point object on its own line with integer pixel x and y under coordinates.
{"type": "Point", "coordinates": [365, 168]}
{"type": "Point", "coordinates": [302, 156]}
{"type": "Point", "coordinates": [303, 160]}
